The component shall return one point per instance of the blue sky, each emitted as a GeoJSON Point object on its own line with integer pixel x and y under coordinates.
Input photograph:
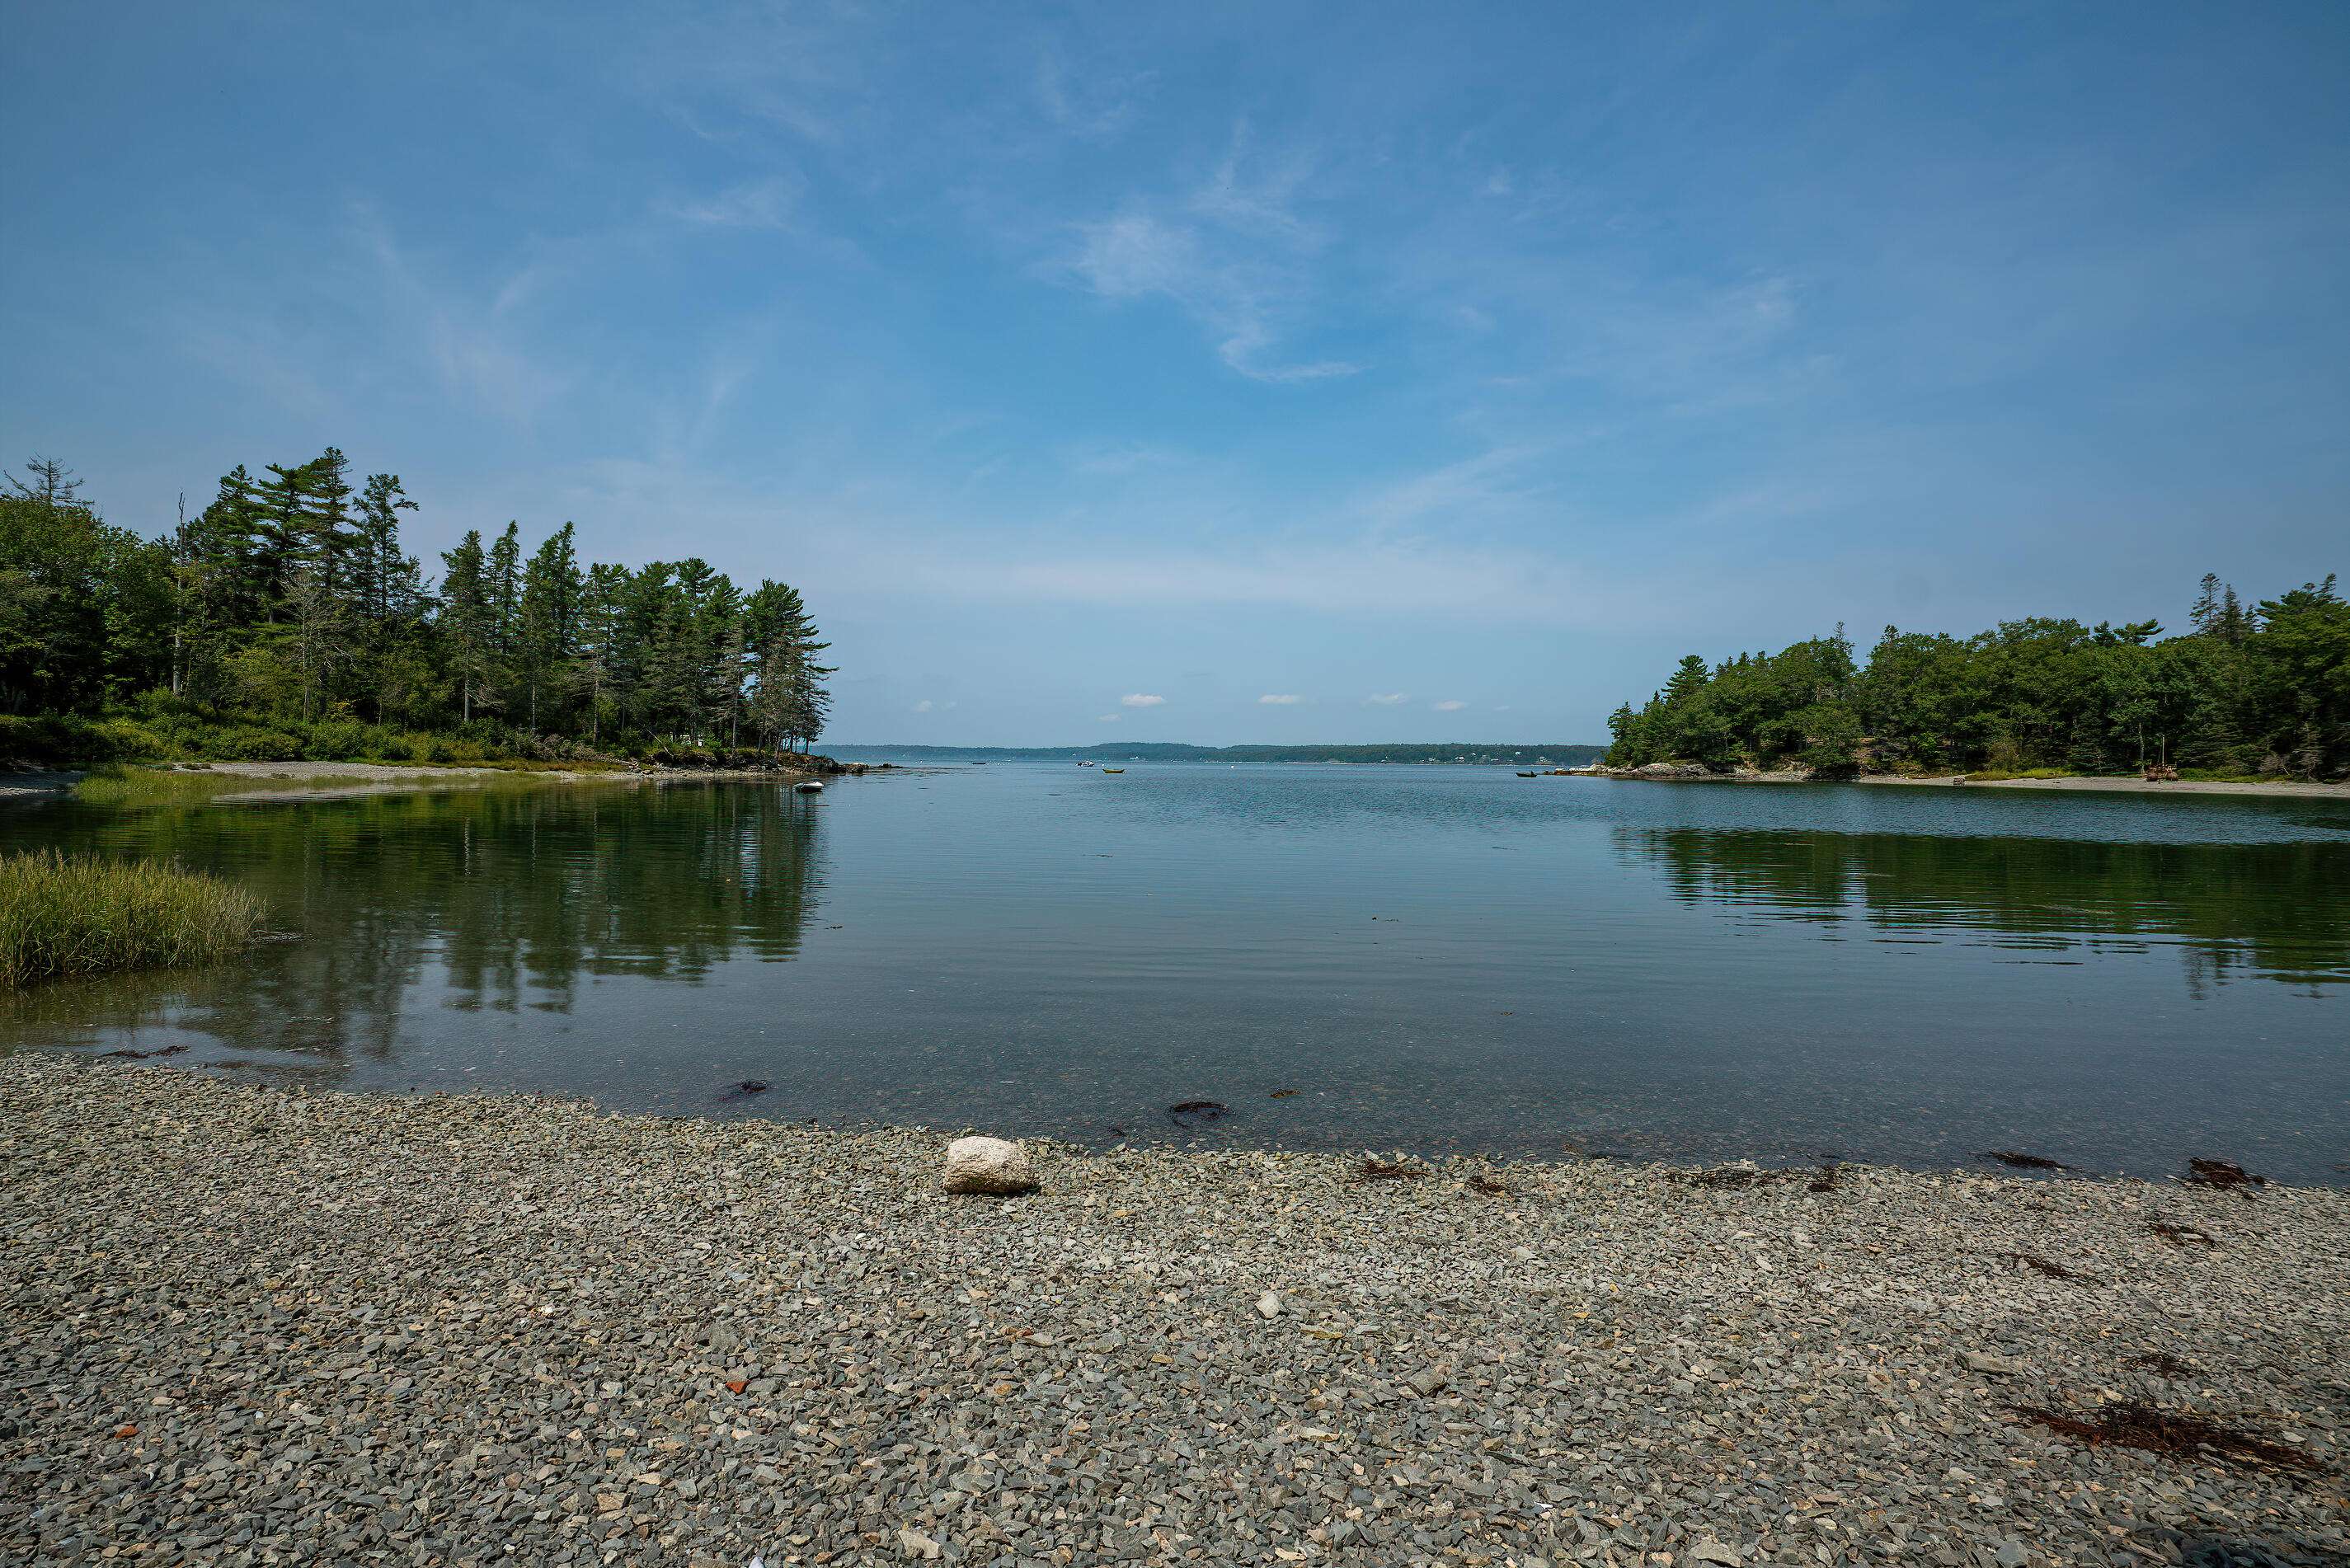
{"type": "Point", "coordinates": [1335, 373]}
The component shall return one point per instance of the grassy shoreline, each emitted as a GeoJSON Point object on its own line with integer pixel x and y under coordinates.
{"type": "Point", "coordinates": [64, 916]}
{"type": "Point", "coordinates": [148, 784]}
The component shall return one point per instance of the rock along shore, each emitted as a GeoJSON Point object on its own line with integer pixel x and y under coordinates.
{"type": "Point", "coordinates": [243, 1325]}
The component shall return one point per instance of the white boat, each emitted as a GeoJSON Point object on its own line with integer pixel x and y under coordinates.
{"type": "Point", "coordinates": [808, 786]}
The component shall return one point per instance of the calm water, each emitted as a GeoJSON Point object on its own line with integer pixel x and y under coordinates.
{"type": "Point", "coordinates": [1431, 957]}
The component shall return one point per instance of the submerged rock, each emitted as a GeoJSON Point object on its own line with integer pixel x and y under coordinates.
{"type": "Point", "coordinates": [988, 1165]}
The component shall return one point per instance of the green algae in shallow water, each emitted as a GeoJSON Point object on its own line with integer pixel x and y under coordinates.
{"type": "Point", "coordinates": [67, 915]}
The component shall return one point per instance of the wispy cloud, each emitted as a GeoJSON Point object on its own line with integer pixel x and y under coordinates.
{"type": "Point", "coordinates": [1110, 717]}
{"type": "Point", "coordinates": [1141, 699]}
{"type": "Point", "coordinates": [1279, 699]}
{"type": "Point", "coordinates": [1387, 698]}
{"type": "Point", "coordinates": [1450, 705]}
{"type": "Point", "coordinates": [1351, 574]}
{"type": "Point", "coordinates": [1233, 254]}
{"type": "Point", "coordinates": [1259, 196]}
{"type": "Point", "coordinates": [924, 706]}
{"type": "Point", "coordinates": [473, 348]}
{"type": "Point", "coordinates": [1089, 101]}
{"type": "Point", "coordinates": [766, 204]}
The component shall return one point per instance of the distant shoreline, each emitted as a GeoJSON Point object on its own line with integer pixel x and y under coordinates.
{"type": "Point", "coordinates": [1459, 754]}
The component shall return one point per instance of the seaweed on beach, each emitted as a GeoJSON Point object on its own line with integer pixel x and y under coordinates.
{"type": "Point", "coordinates": [2048, 1266]}
{"type": "Point", "coordinates": [1195, 1113]}
{"type": "Point", "coordinates": [2019, 1160]}
{"type": "Point", "coordinates": [142, 1056]}
{"type": "Point", "coordinates": [2162, 1364]}
{"type": "Point", "coordinates": [2136, 1425]}
{"type": "Point", "coordinates": [2180, 1235]}
{"type": "Point", "coordinates": [745, 1089]}
{"type": "Point", "coordinates": [1280, 1094]}
{"type": "Point", "coordinates": [2222, 1174]}
{"type": "Point", "coordinates": [1490, 1184]}
{"type": "Point", "coordinates": [1740, 1177]}
{"type": "Point", "coordinates": [1733, 1178]}
{"type": "Point", "coordinates": [1380, 1170]}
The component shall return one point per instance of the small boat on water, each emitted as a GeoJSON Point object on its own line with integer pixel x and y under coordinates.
{"type": "Point", "coordinates": [1113, 770]}
{"type": "Point", "coordinates": [808, 786]}
{"type": "Point", "coordinates": [1530, 776]}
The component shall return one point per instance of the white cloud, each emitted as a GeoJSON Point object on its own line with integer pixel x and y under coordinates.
{"type": "Point", "coordinates": [1363, 573]}
{"type": "Point", "coordinates": [1451, 705]}
{"type": "Point", "coordinates": [767, 203]}
{"type": "Point", "coordinates": [1110, 717]}
{"type": "Point", "coordinates": [924, 706]}
{"type": "Point", "coordinates": [1141, 699]}
{"type": "Point", "coordinates": [476, 350]}
{"type": "Point", "coordinates": [1386, 698]}
{"type": "Point", "coordinates": [1130, 256]}
{"type": "Point", "coordinates": [1280, 700]}
{"type": "Point", "coordinates": [1233, 255]}
{"type": "Point", "coordinates": [1087, 101]}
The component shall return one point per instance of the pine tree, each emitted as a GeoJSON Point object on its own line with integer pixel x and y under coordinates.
{"type": "Point", "coordinates": [502, 584]}
{"type": "Point", "coordinates": [466, 621]}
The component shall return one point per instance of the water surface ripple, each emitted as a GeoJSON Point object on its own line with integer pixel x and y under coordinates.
{"type": "Point", "coordinates": [1432, 958]}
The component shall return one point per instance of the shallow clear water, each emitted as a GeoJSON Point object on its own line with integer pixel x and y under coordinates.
{"type": "Point", "coordinates": [1431, 957]}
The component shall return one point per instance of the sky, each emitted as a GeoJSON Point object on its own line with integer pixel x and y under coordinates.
{"type": "Point", "coordinates": [1256, 373]}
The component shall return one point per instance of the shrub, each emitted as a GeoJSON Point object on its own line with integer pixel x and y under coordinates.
{"type": "Point", "coordinates": [250, 746]}
{"type": "Point", "coordinates": [59, 740]}
{"type": "Point", "coordinates": [62, 916]}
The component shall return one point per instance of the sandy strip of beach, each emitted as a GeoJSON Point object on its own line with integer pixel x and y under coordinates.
{"type": "Point", "coordinates": [2132, 786]}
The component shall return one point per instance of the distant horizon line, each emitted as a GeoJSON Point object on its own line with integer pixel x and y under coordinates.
{"type": "Point", "coordinates": [1223, 746]}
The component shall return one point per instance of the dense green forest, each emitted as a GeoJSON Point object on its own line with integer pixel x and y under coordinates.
{"type": "Point", "coordinates": [2263, 690]}
{"type": "Point", "coordinates": [286, 620]}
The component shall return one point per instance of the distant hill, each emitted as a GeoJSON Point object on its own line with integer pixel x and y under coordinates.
{"type": "Point", "coordinates": [1561, 754]}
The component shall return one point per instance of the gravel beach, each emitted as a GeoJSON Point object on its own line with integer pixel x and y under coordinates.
{"type": "Point", "coordinates": [245, 1324]}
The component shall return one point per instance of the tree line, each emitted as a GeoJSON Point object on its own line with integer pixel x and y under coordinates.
{"type": "Point", "coordinates": [2260, 689]}
{"type": "Point", "coordinates": [289, 603]}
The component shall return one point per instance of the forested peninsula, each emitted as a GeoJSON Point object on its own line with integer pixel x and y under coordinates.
{"type": "Point", "coordinates": [2246, 691]}
{"type": "Point", "coordinates": [285, 622]}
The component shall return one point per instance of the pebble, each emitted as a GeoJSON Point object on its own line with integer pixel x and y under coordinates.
{"type": "Point", "coordinates": [249, 1324]}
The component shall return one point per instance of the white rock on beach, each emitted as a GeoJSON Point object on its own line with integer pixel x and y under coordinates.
{"type": "Point", "coordinates": [988, 1165]}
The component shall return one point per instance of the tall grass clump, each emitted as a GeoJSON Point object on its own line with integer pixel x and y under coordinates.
{"type": "Point", "coordinates": [108, 785]}
{"type": "Point", "coordinates": [67, 915]}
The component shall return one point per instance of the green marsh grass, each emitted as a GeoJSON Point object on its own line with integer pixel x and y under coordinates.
{"type": "Point", "coordinates": [113, 786]}
{"type": "Point", "coordinates": [64, 916]}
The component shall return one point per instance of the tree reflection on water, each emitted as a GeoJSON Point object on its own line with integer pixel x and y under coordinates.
{"type": "Point", "coordinates": [2275, 910]}
{"type": "Point", "coordinates": [487, 898]}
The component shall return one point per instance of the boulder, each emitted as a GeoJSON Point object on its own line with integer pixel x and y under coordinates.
{"type": "Point", "coordinates": [988, 1165]}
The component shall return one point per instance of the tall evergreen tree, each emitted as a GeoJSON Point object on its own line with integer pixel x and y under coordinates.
{"type": "Point", "coordinates": [468, 622]}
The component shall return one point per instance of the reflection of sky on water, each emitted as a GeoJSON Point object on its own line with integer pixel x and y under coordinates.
{"type": "Point", "coordinates": [1433, 956]}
